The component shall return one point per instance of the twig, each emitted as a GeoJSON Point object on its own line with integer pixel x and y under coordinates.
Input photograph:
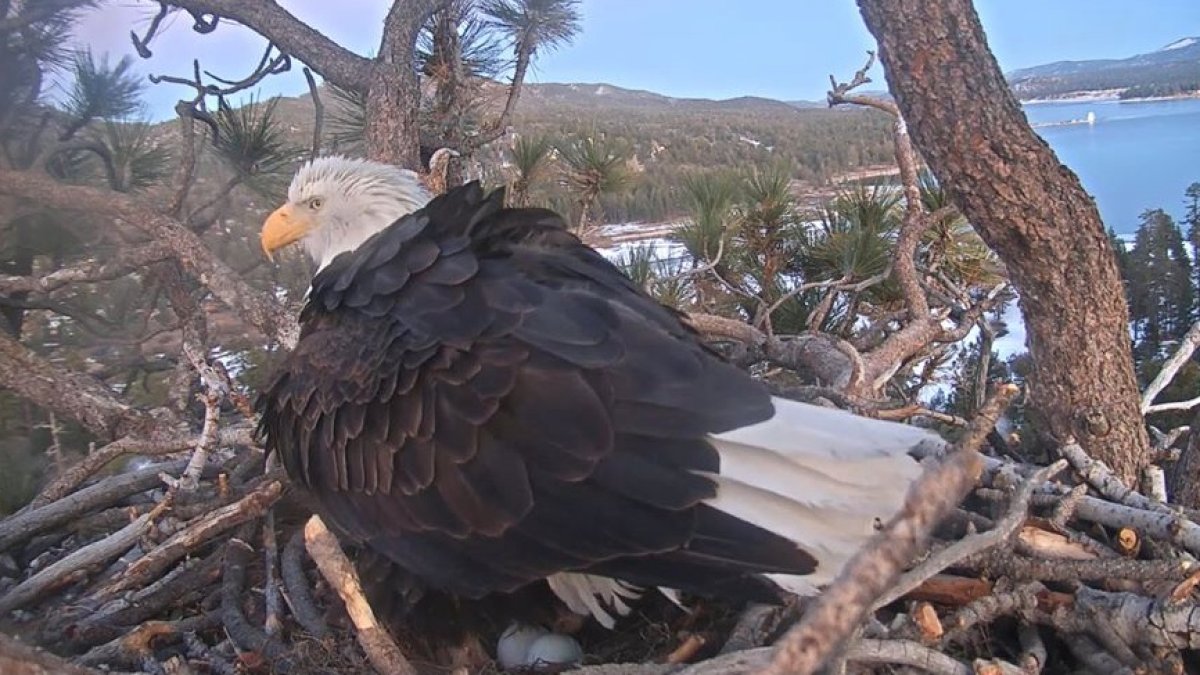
{"type": "Point", "coordinates": [1099, 476]}
{"type": "Point", "coordinates": [296, 585]}
{"type": "Point", "coordinates": [149, 566]}
{"type": "Point", "coordinates": [175, 589]}
{"type": "Point", "coordinates": [974, 544]}
{"type": "Point", "coordinates": [1173, 405]}
{"type": "Point", "coordinates": [136, 647]}
{"type": "Point", "coordinates": [98, 459]}
{"type": "Point", "coordinates": [1021, 600]}
{"type": "Point", "coordinates": [244, 634]}
{"type": "Point", "coordinates": [92, 555]}
{"type": "Point", "coordinates": [272, 624]}
{"type": "Point", "coordinates": [318, 113]}
{"type": "Point", "coordinates": [22, 526]}
{"type": "Point", "coordinates": [844, 604]}
{"type": "Point", "coordinates": [382, 651]}
{"type": "Point", "coordinates": [1187, 346]}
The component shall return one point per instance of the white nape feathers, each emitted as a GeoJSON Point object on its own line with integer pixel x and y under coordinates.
{"type": "Point", "coordinates": [350, 200]}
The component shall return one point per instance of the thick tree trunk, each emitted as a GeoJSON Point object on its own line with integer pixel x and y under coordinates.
{"type": "Point", "coordinates": [1031, 210]}
{"type": "Point", "coordinates": [391, 117]}
{"type": "Point", "coordinates": [393, 90]}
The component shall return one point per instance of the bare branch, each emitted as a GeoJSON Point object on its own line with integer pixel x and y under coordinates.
{"type": "Point", "coordinates": [298, 596]}
{"type": "Point", "coordinates": [974, 544]}
{"type": "Point", "coordinates": [335, 63]}
{"type": "Point", "coordinates": [22, 526]}
{"type": "Point", "coordinates": [843, 605]}
{"type": "Point", "coordinates": [150, 446]}
{"type": "Point", "coordinates": [1169, 369]}
{"type": "Point", "coordinates": [116, 266]}
{"type": "Point", "coordinates": [1173, 405]}
{"type": "Point", "coordinates": [93, 555]}
{"type": "Point", "coordinates": [339, 572]}
{"type": "Point", "coordinates": [67, 393]}
{"type": "Point", "coordinates": [318, 113]}
{"type": "Point", "coordinates": [204, 528]}
{"type": "Point", "coordinates": [259, 309]}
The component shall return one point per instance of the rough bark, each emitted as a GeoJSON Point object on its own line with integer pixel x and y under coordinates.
{"type": "Point", "coordinates": [1185, 473]}
{"type": "Point", "coordinates": [1032, 211]}
{"type": "Point", "coordinates": [393, 92]}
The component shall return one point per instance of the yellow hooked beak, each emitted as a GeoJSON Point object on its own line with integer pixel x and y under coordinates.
{"type": "Point", "coordinates": [285, 226]}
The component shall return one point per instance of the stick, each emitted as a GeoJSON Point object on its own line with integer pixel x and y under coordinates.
{"type": "Point", "coordinates": [974, 544]}
{"type": "Point", "coordinates": [846, 602]}
{"type": "Point", "coordinates": [244, 634]}
{"type": "Point", "coordinates": [196, 533]}
{"type": "Point", "coordinates": [1099, 476]}
{"type": "Point", "coordinates": [382, 651]}
{"type": "Point", "coordinates": [92, 555]}
{"type": "Point", "coordinates": [874, 569]}
{"type": "Point", "coordinates": [296, 588]}
{"type": "Point", "coordinates": [24, 525]}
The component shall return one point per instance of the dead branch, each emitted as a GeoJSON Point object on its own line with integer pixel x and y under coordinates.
{"type": "Point", "coordinates": [136, 648]}
{"type": "Point", "coordinates": [157, 561]}
{"type": "Point", "coordinates": [296, 584]}
{"type": "Point", "coordinates": [117, 266]}
{"type": "Point", "coordinates": [867, 575]}
{"type": "Point", "coordinates": [67, 393]}
{"type": "Point", "coordinates": [1173, 405]}
{"type": "Point", "coordinates": [26, 524]}
{"type": "Point", "coordinates": [191, 578]}
{"type": "Point", "coordinates": [318, 114]}
{"type": "Point", "coordinates": [339, 572]}
{"type": "Point", "coordinates": [245, 635]}
{"type": "Point", "coordinates": [256, 307]}
{"type": "Point", "coordinates": [96, 460]}
{"type": "Point", "coordinates": [93, 555]}
{"type": "Point", "coordinates": [335, 63]}
{"type": "Point", "coordinates": [1099, 476]}
{"type": "Point", "coordinates": [974, 544]}
{"type": "Point", "coordinates": [1021, 600]}
{"type": "Point", "coordinates": [20, 659]}
{"type": "Point", "coordinates": [1187, 345]}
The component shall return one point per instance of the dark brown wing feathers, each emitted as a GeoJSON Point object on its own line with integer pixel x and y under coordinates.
{"type": "Point", "coordinates": [486, 401]}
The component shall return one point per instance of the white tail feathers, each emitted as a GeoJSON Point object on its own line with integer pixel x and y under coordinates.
{"type": "Point", "coordinates": [820, 477]}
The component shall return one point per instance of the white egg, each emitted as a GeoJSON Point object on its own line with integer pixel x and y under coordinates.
{"type": "Point", "coordinates": [514, 644]}
{"type": "Point", "coordinates": [554, 649]}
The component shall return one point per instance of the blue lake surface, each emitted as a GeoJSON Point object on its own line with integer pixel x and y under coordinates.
{"type": "Point", "coordinates": [1136, 156]}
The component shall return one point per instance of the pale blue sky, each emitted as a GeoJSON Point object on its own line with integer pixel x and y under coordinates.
{"type": "Point", "coordinates": [782, 49]}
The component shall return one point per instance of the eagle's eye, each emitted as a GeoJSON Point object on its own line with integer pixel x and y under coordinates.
{"type": "Point", "coordinates": [315, 203]}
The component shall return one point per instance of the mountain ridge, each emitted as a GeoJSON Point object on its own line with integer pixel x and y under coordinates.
{"type": "Point", "coordinates": [1171, 70]}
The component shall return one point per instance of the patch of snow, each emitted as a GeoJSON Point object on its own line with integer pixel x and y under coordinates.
{"type": "Point", "coordinates": [1180, 44]}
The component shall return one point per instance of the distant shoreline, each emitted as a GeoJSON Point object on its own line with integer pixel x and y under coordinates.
{"type": "Point", "coordinates": [1108, 96]}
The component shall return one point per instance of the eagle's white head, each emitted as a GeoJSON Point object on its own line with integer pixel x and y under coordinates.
{"type": "Point", "coordinates": [336, 203]}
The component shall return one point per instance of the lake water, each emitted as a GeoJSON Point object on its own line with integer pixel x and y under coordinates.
{"type": "Point", "coordinates": [1136, 156]}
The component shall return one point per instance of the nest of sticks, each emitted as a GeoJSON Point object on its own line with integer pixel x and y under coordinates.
{"type": "Point", "coordinates": [215, 566]}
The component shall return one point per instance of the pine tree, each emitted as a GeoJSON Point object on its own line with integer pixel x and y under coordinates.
{"type": "Point", "coordinates": [1192, 220]}
{"type": "Point", "coordinates": [1159, 283]}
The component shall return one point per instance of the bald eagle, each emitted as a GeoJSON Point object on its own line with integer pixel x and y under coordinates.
{"type": "Point", "coordinates": [490, 403]}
